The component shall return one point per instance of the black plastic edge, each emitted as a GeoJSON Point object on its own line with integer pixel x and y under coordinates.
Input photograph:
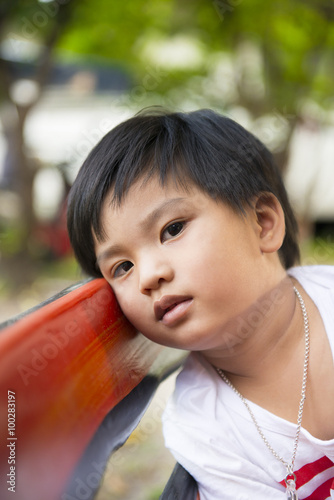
{"type": "Point", "coordinates": [180, 486]}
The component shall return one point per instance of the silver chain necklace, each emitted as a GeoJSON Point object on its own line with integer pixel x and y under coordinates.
{"type": "Point", "coordinates": [290, 479]}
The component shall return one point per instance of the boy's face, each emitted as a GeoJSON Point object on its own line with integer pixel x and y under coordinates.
{"type": "Point", "coordinates": [182, 266]}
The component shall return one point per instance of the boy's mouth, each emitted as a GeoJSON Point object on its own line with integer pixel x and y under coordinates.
{"type": "Point", "coordinates": [171, 307]}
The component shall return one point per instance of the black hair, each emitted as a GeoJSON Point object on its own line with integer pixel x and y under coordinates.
{"type": "Point", "coordinates": [202, 148]}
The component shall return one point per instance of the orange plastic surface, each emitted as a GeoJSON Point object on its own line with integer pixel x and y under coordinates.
{"type": "Point", "coordinates": [67, 365]}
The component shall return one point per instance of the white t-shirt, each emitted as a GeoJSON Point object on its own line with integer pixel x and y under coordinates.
{"type": "Point", "coordinates": [210, 432]}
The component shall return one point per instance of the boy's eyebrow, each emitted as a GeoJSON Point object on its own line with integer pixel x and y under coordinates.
{"type": "Point", "coordinates": [153, 216]}
{"type": "Point", "coordinates": [146, 223]}
{"type": "Point", "coordinates": [109, 252]}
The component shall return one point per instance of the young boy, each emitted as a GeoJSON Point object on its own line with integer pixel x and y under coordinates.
{"type": "Point", "coordinates": [187, 218]}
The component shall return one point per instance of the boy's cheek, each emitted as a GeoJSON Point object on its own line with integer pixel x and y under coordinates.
{"type": "Point", "coordinates": [123, 304]}
{"type": "Point", "coordinates": [132, 311]}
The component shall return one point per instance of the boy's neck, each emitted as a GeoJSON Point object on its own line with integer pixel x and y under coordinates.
{"type": "Point", "coordinates": [261, 339]}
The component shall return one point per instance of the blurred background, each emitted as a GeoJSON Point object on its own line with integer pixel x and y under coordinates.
{"type": "Point", "coordinates": [70, 70]}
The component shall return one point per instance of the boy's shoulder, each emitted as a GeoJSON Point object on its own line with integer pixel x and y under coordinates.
{"type": "Point", "coordinates": [321, 275]}
{"type": "Point", "coordinates": [196, 374]}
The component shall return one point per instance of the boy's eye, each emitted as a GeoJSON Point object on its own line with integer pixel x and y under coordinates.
{"type": "Point", "coordinates": [172, 230]}
{"type": "Point", "coordinates": [122, 269]}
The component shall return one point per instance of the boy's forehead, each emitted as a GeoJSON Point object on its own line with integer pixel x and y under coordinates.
{"type": "Point", "coordinates": [147, 193]}
{"type": "Point", "coordinates": [148, 199]}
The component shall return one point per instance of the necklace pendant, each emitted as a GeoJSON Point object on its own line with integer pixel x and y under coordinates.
{"type": "Point", "coordinates": [291, 492]}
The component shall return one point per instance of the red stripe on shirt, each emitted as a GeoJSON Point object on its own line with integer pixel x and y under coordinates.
{"type": "Point", "coordinates": [309, 471]}
{"type": "Point", "coordinates": [322, 492]}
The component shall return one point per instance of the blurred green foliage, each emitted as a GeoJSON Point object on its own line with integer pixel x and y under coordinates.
{"type": "Point", "coordinates": [318, 251]}
{"type": "Point", "coordinates": [295, 39]}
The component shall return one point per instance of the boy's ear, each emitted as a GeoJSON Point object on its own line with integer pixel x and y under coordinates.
{"type": "Point", "coordinates": [271, 222]}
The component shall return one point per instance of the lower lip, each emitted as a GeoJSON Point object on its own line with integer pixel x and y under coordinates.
{"type": "Point", "coordinates": [176, 313]}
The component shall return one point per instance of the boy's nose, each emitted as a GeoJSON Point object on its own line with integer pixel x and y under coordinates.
{"type": "Point", "coordinates": [153, 273]}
